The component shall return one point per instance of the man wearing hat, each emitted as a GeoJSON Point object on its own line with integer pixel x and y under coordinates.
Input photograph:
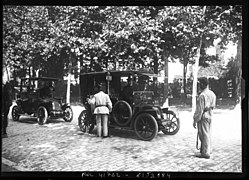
{"type": "Point", "coordinates": [203, 117]}
{"type": "Point", "coordinates": [103, 106]}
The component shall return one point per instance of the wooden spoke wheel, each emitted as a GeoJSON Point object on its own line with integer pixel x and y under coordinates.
{"type": "Point", "coordinates": [15, 113]}
{"type": "Point", "coordinates": [42, 115]}
{"type": "Point", "coordinates": [172, 124]}
{"type": "Point", "coordinates": [68, 116]}
{"type": "Point", "coordinates": [145, 126]}
{"type": "Point", "coordinates": [84, 120]}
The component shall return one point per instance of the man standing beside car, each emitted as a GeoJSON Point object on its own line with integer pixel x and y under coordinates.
{"type": "Point", "coordinates": [203, 117]}
{"type": "Point", "coordinates": [103, 106]}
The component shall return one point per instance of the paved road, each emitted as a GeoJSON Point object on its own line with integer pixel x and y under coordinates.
{"type": "Point", "coordinates": [60, 146]}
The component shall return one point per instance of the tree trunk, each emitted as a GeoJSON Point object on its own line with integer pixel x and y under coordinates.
{"type": "Point", "coordinates": [69, 79]}
{"type": "Point", "coordinates": [68, 87]}
{"type": "Point", "coordinates": [33, 72]}
{"type": "Point", "coordinates": [165, 98]}
{"type": "Point", "coordinates": [30, 75]}
{"type": "Point", "coordinates": [7, 72]}
{"type": "Point", "coordinates": [91, 64]}
{"type": "Point", "coordinates": [195, 71]}
{"type": "Point", "coordinates": [37, 73]}
{"type": "Point", "coordinates": [184, 79]}
{"type": "Point", "coordinates": [239, 72]}
{"type": "Point", "coordinates": [82, 64]}
{"type": "Point", "coordinates": [155, 64]}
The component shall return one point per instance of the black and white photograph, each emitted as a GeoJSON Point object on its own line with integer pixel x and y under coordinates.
{"type": "Point", "coordinates": [122, 91]}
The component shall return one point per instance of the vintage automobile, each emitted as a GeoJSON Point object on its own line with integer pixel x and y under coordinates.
{"type": "Point", "coordinates": [36, 97]}
{"type": "Point", "coordinates": [139, 111]}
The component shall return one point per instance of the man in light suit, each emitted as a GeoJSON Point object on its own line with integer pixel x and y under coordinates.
{"type": "Point", "coordinates": [203, 117]}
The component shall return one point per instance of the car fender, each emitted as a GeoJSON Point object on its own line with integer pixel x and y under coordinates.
{"type": "Point", "coordinates": [165, 110]}
{"type": "Point", "coordinates": [65, 105]}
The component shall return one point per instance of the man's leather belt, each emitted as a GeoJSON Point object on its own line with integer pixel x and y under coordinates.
{"type": "Point", "coordinates": [208, 109]}
{"type": "Point", "coordinates": [100, 105]}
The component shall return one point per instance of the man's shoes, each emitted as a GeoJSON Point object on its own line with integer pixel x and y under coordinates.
{"type": "Point", "coordinates": [106, 136]}
{"type": "Point", "coordinates": [210, 152]}
{"type": "Point", "coordinates": [203, 156]}
{"type": "Point", "coordinates": [4, 135]}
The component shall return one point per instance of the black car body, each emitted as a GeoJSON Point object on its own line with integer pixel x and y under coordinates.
{"type": "Point", "coordinates": [36, 97]}
{"type": "Point", "coordinates": [141, 110]}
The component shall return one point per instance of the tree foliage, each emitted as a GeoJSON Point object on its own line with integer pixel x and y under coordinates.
{"type": "Point", "coordinates": [39, 38]}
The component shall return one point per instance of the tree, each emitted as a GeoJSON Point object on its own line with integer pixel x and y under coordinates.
{"type": "Point", "coordinates": [107, 37]}
{"type": "Point", "coordinates": [76, 31]}
{"type": "Point", "coordinates": [227, 24]}
{"type": "Point", "coordinates": [188, 40]}
{"type": "Point", "coordinates": [194, 89]}
{"type": "Point", "coordinates": [213, 24]}
{"type": "Point", "coordinates": [25, 38]}
{"type": "Point", "coordinates": [13, 45]}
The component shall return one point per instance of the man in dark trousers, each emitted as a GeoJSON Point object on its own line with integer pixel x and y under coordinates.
{"type": "Point", "coordinates": [203, 117]}
{"type": "Point", "coordinates": [6, 103]}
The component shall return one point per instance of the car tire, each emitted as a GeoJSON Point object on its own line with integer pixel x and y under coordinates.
{"type": "Point", "coordinates": [42, 115]}
{"type": "Point", "coordinates": [84, 121]}
{"type": "Point", "coordinates": [119, 117]}
{"type": "Point", "coordinates": [68, 116]}
{"type": "Point", "coordinates": [15, 113]}
{"type": "Point", "coordinates": [173, 124]}
{"type": "Point", "coordinates": [145, 126]}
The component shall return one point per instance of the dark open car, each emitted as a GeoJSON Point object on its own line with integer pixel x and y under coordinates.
{"type": "Point", "coordinates": [137, 99]}
{"type": "Point", "coordinates": [36, 97]}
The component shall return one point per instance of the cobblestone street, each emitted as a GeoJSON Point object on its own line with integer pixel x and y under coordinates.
{"type": "Point", "coordinates": [61, 146]}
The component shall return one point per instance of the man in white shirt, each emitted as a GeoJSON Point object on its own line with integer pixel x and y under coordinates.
{"type": "Point", "coordinates": [203, 117]}
{"type": "Point", "coordinates": [103, 106]}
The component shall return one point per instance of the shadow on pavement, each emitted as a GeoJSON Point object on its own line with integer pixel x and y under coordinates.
{"type": "Point", "coordinates": [29, 120]}
{"type": "Point", "coordinates": [33, 120]}
{"type": "Point", "coordinates": [121, 133]}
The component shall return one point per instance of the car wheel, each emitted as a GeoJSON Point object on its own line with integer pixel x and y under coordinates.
{"type": "Point", "coordinates": [15, 113]}
{"type": "Point", "coordinates": [68, 116]}
{"type": "Point", "coordinates": [172, 124]}
{"type": "Point", "coordinates": [42, 115]}
{"type": "Point", "coordinates": [145, 126]}
{"type": "Point", "coordinates": [122, 113]}
{"type": "Point", "coordinates": [84, 120]}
